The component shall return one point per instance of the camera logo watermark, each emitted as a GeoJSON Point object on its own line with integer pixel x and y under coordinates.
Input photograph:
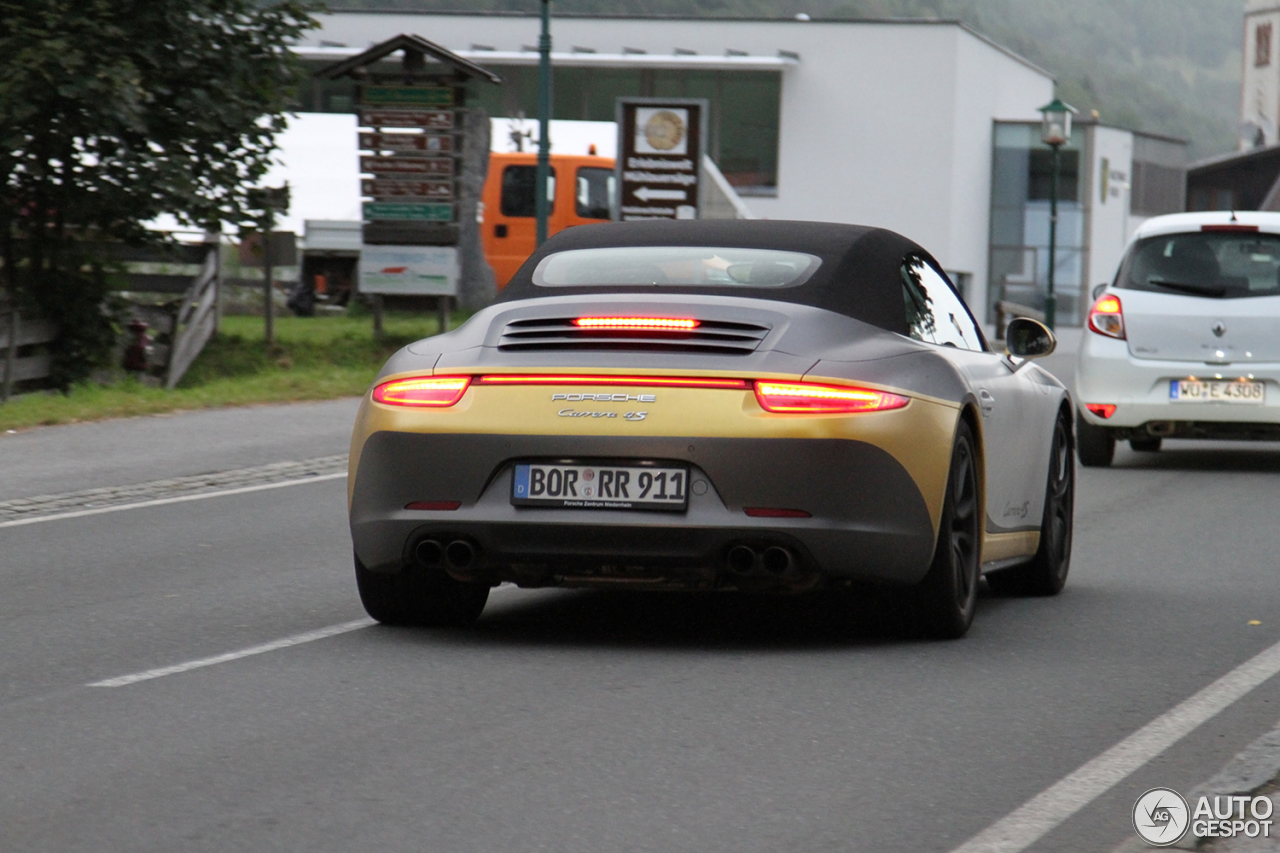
{"type": "Point", "coordinates": [1161, 817]}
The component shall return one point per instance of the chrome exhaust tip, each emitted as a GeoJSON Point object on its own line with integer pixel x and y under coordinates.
{"type": "Point", "coordinates": [778, 560]}
{"type": "Point", "coordinates": [428, 553]}
{"type": "Point", "coordinates": [741, 559]}
{"type": "Point", "coordinates": [460, 554]}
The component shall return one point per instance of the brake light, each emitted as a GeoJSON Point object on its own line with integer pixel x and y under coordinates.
{"type": "Point", "coordinates": [808, 398]}
{"type": "Point", "coordinates": [1228, 227]}
{"type": "Point", "coordinates": [1106, 318]}
{"type": "Point", "coordinates": [669, 324]}
{"type": "Point", "coordinates": [1102, 410]}
{"type": "Point", "coordinates": [572, 379]}
{"type": "Point", "coordinates": [430, 391]}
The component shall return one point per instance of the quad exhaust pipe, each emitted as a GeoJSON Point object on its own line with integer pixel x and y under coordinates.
{"type": "Point", "coordinates": [775, 560]}
{"type": "Point", "coordinates": [457, 556]}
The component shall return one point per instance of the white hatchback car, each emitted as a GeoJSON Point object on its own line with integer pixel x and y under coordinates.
{"type": "Point", "coordinates": [1185, 342]}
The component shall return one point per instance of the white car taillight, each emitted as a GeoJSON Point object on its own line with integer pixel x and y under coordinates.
{"type": "Point", "coordinates": [1106, 318]}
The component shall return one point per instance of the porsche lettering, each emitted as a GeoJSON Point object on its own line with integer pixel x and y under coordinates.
{"type": "Point", "coordinates": [605, 398]}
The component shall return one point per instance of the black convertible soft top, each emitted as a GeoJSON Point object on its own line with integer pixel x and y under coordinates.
{"type": "Point", "coordinates": [860, 275]}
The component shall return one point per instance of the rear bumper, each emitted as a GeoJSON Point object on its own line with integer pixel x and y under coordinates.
{"type": "Point", "coordinates": [1139, 388]}
{"type": "Point", "coordinates": [869, 520]}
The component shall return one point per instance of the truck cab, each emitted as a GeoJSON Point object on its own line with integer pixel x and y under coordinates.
{"type": "Point", "coordinates": [581, 187]}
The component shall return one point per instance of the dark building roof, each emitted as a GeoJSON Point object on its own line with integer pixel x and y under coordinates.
{"type": "Point", "coordinates": [1248, 180]}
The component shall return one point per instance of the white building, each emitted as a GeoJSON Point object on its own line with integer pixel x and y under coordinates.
{"type": "Point", "coordinates": [888, 123]}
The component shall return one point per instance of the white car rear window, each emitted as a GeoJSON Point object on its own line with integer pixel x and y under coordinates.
{"type": "Point", "coordinates": [1221, 265]}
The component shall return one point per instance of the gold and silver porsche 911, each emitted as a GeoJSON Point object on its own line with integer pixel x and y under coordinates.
{"type": "Point", "coordinates": [760, 406]}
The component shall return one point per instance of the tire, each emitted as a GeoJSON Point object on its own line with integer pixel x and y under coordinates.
{"type": "Point", "coordinates": [948, 595]}
{"type": "Point", "coordinates": [1095, 445]}
{"type": "Point", "coordinates": [1145, 444]}
{"type": "Point", "coordinates": [1046, 574]}
{"type": "Point", "coordinates": [419, 596]}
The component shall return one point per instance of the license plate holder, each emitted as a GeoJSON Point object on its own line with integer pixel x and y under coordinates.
{"type": "Point", "coordinates": [1230, 391]}
{"type": "Point", "coordinates": [658, 486]}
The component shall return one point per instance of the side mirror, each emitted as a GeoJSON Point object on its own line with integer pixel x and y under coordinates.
{"type": "Point", "coordinates": [1027, 338]}
{"type": "Point", "coordinates": [1097, 290]}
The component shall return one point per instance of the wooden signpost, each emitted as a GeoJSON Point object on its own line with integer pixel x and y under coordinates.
{"type": "Point", "coordinates": [419, 175]}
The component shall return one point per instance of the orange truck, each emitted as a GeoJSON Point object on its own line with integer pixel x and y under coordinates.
{"type": "Point", "coordinates": [581, 187]}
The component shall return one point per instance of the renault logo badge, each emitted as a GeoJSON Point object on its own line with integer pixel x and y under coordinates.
{"type": "Point", "coordinates": [1219, 328]}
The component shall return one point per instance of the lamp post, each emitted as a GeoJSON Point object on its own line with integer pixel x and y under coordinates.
{"type": "Point", "coordinates": [1055, 132]}
{"type": "Point", "coordinates": [542, 204]}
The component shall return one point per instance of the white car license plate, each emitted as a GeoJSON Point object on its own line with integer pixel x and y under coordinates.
{"type": "Point", "coordinates": [1217, 391]}
{"type": "Point", "coordinates": [601, 486]}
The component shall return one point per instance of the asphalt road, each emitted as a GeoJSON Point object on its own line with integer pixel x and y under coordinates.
{"type": "Point", "coordinates": [582, 721]}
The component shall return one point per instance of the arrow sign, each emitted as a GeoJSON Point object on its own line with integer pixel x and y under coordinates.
{"type": "Point", "coordinates": [649, 194]}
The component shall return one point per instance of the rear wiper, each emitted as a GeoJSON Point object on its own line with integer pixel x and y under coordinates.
{"type": "Point", "coordinates": [1199, 289]}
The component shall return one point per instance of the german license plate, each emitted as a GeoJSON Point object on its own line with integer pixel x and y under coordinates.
{"type": "Point", "coordinates": [601, 486]}
{"type": "Point", "coordinates": [1217, 391]}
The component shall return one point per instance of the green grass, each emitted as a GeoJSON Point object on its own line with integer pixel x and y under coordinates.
{"type": "Point", "coordinates": [314, 358]}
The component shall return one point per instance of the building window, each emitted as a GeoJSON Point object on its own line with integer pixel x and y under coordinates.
{"type": "Point", "coordinates": [1262, 45]}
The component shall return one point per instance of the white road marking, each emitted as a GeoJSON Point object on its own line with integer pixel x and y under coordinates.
{"type": "Point", "coordinates": [1035, 818]}
{"type": "Point", "coordinates": [282, 643]}
{"type": "Point", "coordinates": [80, 513]}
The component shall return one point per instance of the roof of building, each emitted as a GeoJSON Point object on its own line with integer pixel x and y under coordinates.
{"type": "Point", "coordinates": [721, 21]}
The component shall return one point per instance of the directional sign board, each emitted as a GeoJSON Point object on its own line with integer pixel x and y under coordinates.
{"type": "Point", "coordinates": [417, 96]}
{"type": "Point", "coordinates": [660, 146]}
{"type": "Point", "coordinates": [416, 211]}
{"type": "Point", "coordinates": [418, 167]}
{"type": "Point", "coordinates": [383, 188]}
{"type": "Point", "coordinates": [395, 117]}
{"type": "Point", "coordinates": [407, 143]}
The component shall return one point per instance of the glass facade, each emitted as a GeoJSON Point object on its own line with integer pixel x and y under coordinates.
{"type": "Point", "coordinates": [742, 128]}
{"type": "Point", "coordinates": [1020, 182]}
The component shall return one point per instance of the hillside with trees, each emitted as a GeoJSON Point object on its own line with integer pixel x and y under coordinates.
{"type": "Point", "coordinates": [1164, 66]}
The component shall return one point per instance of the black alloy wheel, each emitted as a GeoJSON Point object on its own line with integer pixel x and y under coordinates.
{"type": "Point", "coordinates": [420, 596]}
{"type": "Point", "coordinates": [1095, 445]}
{"type": "Point", "coordinates": [948, 595]}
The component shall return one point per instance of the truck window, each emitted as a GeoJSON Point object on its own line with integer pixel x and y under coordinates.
{"type": "Point", "coordinates": [518, 183]}
{"type": "Point", "coordinates": [594, 193]}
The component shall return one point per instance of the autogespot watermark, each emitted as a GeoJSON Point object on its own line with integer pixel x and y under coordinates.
{"type": "Point", "coordinates": [1162, 817]}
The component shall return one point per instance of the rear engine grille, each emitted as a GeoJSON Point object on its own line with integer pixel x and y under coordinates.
{"type": "Point", "coordinates": [712, 337]}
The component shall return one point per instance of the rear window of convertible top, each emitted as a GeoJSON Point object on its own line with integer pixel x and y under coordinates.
{"type": "Point", "coordinates": [675, 266]}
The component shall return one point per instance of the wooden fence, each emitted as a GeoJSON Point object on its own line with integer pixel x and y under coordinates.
{"type": "Point", "coordinates": [18, 336]}
{"type": "Point", "coordinates": [181, 325]}
{"type": "Point", "coordinates": [184, 325]}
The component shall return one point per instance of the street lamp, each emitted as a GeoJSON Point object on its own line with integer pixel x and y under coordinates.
{"type": "Point", "coordinates": [542, 204]}
{"type": "Point", "coordinates": [1055, 132]}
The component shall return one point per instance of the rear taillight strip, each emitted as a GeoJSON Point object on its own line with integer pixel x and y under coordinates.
{"type": "Point", "coordinates": [431, 392]}
{"type": "Point", "coordinates": [576, 379]}
{"type": "Point", "coordinates": [773, 396]}
{"type": "Point", "coordinates": [811, 398]}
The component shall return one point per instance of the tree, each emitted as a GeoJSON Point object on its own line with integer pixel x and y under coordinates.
{"type": "Point", "coordinates": [113, 112]}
